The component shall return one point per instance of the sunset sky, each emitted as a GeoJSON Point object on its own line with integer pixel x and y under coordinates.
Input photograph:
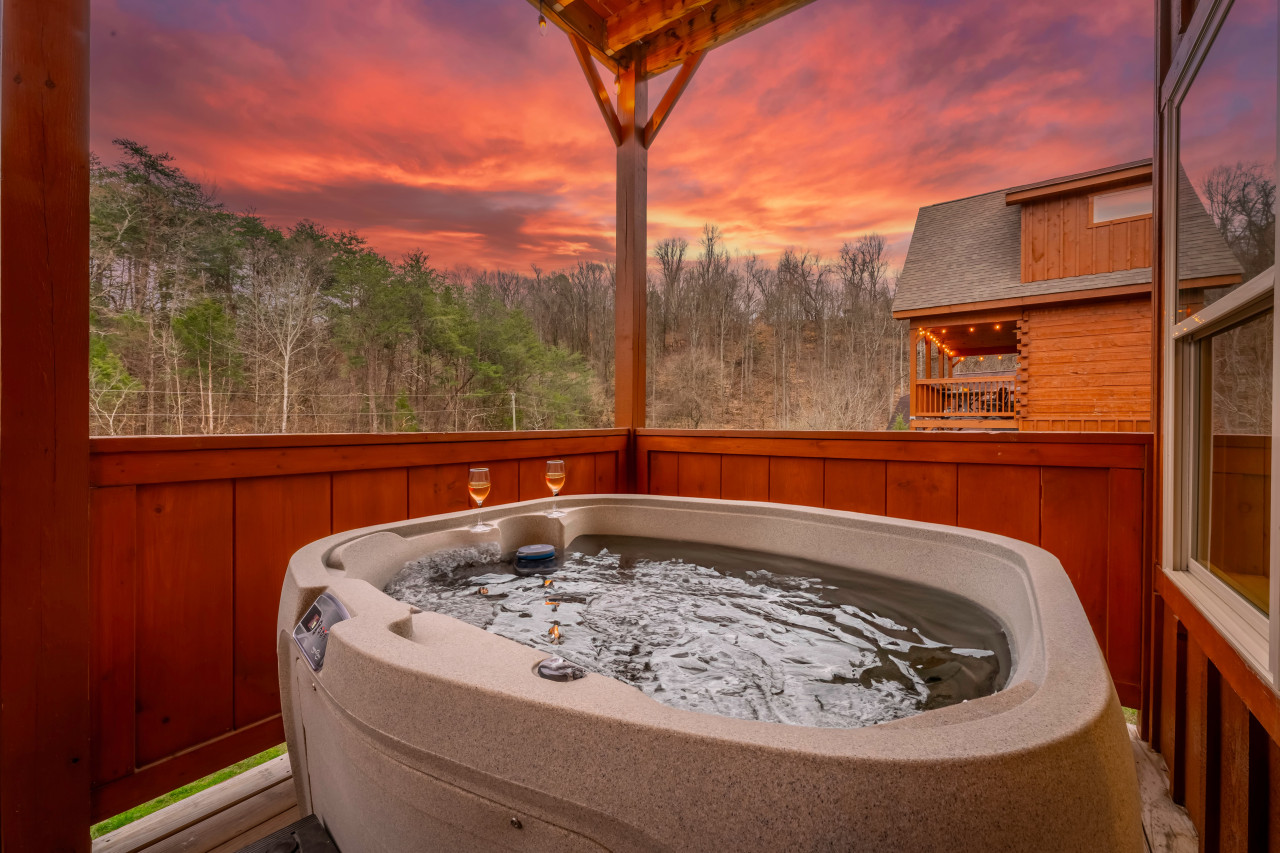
{"type": "Point", "coordinates": [451, 126]}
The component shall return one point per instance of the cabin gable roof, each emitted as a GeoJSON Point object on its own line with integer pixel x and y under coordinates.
{"type": "Point", "coordinates": [970, 250]}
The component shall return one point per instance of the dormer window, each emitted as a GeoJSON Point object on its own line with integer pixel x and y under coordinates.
{"type": "Point", "coordinates": [1121, 204]}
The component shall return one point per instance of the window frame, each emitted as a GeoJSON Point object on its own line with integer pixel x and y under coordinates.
{"type": "Point", "coordinates": [1256, 636]}
{"type": "Point", "coordinates": [1093, 223]}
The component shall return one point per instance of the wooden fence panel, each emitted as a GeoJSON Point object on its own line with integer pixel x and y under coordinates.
{"type": "Point", "coordinates": [1081, 497]}
{"type": "Point", "coordinates": [190, 538]}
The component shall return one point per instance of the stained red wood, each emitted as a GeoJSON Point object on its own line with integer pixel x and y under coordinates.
{"type": "Point", "coordinates": [606, 482]}
{"type": "Point", "coordinates": [796, 480]}
{"type": "Point", "coordinates": [274, 516]}
{"type": "Point", "coordinates": [148, 460]}
{"type": "Point", "coordinates": [855, 485]}
{"type": "Point", "coordinates": [580, 476]}
{"type": "Point", "coordinates": [664, 474]}
{"type": "Point", "coordinates": [185, 616]}
{"type": "Point", "coordinates": [1002, 499]}
{"type": "Point", "coordinates": [113, 554]}
{"type": "Point", "coordinates": [1124, 582]}
{"type": "Point", "coordinates": [744, 478]}
{"type": "Point", "coordinates": [631, 279]}
{"type": "Point", "coordinates": [1232, 803]}
{"type": "Point", "coordinates": [1196, 744]}
{"type": "Point", "coordinates": [436, 489]}
{"type": "Point", "coordinates": [45, 621]}
{"type": "Point", "coordinates": [505, 477]}
{"type": "Point", "coordinates": [921, 491]}
{"type": "Point", "coordinates": [1073, 525]}
{"type": "Point", "coordinates": [1171, 708]}
{"type": "Point", "coordinates": [362, 498]}
{"type": "Point", "coordinates": [164, 776]}
{"type": "Point", "coordinates": [699, 475]}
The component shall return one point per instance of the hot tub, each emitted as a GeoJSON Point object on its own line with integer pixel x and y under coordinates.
{"type": "Point", "coordinates": [422, 732]}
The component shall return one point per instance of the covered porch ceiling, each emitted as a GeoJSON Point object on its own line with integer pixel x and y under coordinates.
{"type": "Point", "coordinates": [665, 32]}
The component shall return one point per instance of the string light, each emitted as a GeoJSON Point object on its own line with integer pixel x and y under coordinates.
{"type": "Point", "coordinates": [617, 86]}
{"type": "Point", "coordinates": [542, 20]}
{"type": "Point", "coordinates": [971, 328]}
{"type": "Point", "coordinates": [997, 327]}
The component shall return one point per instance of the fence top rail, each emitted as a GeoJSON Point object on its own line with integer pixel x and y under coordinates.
{"type": "Point", "coordinates": [153, 443]}
{"type": "Point", "coordinates": [968, 379]}
{"type": "Point", "coordinates": [992, 437]}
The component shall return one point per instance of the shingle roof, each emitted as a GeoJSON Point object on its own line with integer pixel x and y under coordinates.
{"type": "Point", "coordinates": [969, 250]}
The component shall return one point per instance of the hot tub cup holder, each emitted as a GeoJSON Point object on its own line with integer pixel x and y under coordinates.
{"type": "Point", "coordinates": [557, 668]}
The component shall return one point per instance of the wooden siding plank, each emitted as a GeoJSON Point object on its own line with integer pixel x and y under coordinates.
{"type": "Point", "coordinates": [744, 478]}
{"type": "Point", "coordinates": [606, 473]}
{"type": "Point", "coordinates": [1112, 451]}
{"type": "Point", "coordinates": [664, 474]}
{"type": "Point", "coordinates": [185, 616]}
{"type": "Point", "coordinates": [274, 516]}
{"type": "Point", "coordinates": [363, 498]}
{"type": "Point", "coordinates": [1196, 744]}
{"type": "Point", "coordinates": [921, 491]}
{"type": "Point", "coordinates": [1124, 582]}
{"type": "Point", "coordinates": [163, 466]}
{"type": "Point", "coordinates": [171, 772]}
{"type": "Point", "coordinates": [113, 565]}
{"type": "Point", "coordinates": [795, 480]}
{"type": "Point", "coordinates": [1231, 799]}
{"type": "Point", "coordinates": [438, 489]}
{"type": "Point", "coordinates": [699, 475]}
{"type": "Point", "coordinates": [1003, 499]}
{"type": "Point", "coordinates": [1075, 501]}
{"type": "Point", "coordinates": [579, 476]}
{"type": "Point", "coordinates": [855, 485]}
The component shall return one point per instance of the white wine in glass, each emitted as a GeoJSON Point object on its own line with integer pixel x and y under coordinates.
{"type": "Point", "coordinates": [478, 486]}
{"type": "Point", "coordinates": [555, 482]}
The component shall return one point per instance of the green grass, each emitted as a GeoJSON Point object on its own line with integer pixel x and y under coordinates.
{"type": "Point", "coordinates": [185, 791]}
{"type": "Point", "coordinates": [1131, 716]}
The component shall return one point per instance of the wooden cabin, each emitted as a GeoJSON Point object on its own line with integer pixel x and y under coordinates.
{"type": "Point", "coordinates": [1030, 307]}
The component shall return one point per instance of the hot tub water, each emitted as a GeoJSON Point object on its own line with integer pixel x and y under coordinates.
{"type": "Point", "coordinates": [728, 631]}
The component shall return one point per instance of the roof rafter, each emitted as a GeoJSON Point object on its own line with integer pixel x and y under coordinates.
{"type": "Point", "coordinates": [579, 19]}
{"type": "Point", "coordinates": [708, 26]}
{"type": "Point", "coordinates": [642, 17]}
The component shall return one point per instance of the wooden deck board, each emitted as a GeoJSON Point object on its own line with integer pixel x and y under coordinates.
{"type": "Point", "coordinates": [226, 817]}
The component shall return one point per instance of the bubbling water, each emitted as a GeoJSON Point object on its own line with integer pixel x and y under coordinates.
{"type": "Point", "coordinates": [727, 631]}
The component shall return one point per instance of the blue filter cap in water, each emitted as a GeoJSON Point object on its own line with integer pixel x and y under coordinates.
{"type": "Point", "coordinates": [536, 559]}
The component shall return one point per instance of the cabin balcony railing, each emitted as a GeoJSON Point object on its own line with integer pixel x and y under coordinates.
{"type": "Point", "coordinates": [985, 397]}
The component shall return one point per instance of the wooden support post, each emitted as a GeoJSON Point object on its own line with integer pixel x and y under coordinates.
{"type": "Point", "coordinates": [44, 426]}
{"type": "Point", "coordinates": [913, 372]}
{"type": "Point", "coordinates": [632, 279]}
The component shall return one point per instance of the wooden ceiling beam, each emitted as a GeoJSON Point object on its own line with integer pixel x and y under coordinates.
{"type": "Point", "coordinates": [642, 17]}
{"type": "Point", "coordinates": [708, 26]}
{"type": "Point", "coordinates": [598, 90]}
{"type": "Point", "coordinates": [673, 93]}
{"type": "Point", "coordinates": [579, 19]}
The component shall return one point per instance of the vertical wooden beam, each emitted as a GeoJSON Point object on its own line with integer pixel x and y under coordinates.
{"type": "Point", "coordinates": [632, 278]}
{"type": "Point", "coordinates": [44, 430]}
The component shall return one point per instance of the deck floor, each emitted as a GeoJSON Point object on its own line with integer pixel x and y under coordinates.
{"type": "Point", "coordinates": [221, 819]}
{"type": "Point", "coordinates": [242, 810]}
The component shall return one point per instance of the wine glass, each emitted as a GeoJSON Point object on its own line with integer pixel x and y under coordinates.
{"type": "Point", "coordinates": [478, 485]}
{"type": "Point", "coordinates": [555, 482]}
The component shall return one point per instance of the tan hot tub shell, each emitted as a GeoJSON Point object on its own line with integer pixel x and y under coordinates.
{"type": "Point", "coordinates": [422, 732]}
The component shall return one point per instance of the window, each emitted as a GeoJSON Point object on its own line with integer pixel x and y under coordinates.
{"type": "Point", "coordinates": [1121, 204]}
{"type": "Point", "coordinates": [1222, 203]}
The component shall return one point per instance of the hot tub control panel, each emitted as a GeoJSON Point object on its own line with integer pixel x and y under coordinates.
{"type": "Point", "coordinates": [312, 633]}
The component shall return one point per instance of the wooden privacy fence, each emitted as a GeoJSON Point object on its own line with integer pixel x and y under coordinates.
{"type": "Point", "coordinates": [1082, 497]}
{"type": "Point", "coordinates": [190, 540]}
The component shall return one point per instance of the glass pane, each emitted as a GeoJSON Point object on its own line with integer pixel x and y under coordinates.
{"type": "Point", "coordinates": [1227, 151]}
{"type": "Point", "coordinates": [1123, 204]}
{"type": "Point", "coordinates": [1234, 538]}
